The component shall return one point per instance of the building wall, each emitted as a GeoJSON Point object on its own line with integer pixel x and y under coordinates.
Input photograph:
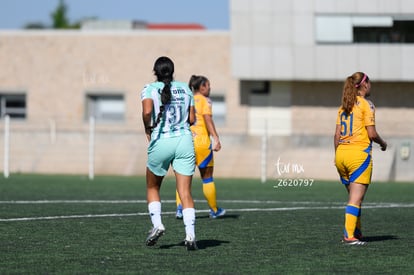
{"type": "Point", "coordinates": [57, 69]}
{"type": "Point", "coordinates": [276, 40]}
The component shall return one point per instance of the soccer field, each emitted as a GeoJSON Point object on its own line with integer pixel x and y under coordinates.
{"type": "Point", "coordinates": [71, 225]}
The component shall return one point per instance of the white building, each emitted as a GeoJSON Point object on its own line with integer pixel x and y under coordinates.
{"type": "Point", "coordinates": [292, 58]}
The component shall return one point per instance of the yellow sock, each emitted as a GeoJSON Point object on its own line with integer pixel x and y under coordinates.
{"type": "Point", "coordinates": [177, 199]}
{"type": "Point", "coordinates": [209, 190]}
{"type": "Point", "coordinates": [351, 216]}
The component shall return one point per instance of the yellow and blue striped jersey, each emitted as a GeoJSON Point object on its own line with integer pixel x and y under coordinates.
{"type": "Point", "coordinates": [354, 135]}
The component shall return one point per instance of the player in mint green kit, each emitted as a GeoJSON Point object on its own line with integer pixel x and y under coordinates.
{"type": "Point", "coordinates": [167, 112]}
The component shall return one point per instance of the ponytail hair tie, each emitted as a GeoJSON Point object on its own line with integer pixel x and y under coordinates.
{"type": "Point", "coordinates": [362, 81]}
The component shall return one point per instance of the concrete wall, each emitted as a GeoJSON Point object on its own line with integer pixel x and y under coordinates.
{"type": "Point", "coordinates": [275, 40]}
{"type": "Point", "coordinates": [56, 70]}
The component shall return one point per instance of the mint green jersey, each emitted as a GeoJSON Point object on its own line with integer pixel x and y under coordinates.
{"type": "Point", "coordinates": [174, 120]}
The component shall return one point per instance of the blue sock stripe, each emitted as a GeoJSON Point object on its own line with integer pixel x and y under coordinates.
{"type": "Point", "coordinates": [360, 169]}
{"type": "Point", "coordinates": [353, 210]}
{"type": "Point", "coordinates": [208, 180]}
{"type": "Point", "coordinates": [345, 233]}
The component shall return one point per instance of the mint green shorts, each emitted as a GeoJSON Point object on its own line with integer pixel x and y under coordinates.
{"type": "Point", "coordinates": [175, 151]}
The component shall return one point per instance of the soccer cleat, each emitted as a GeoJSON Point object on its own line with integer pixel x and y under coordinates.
{"type": "Point", "coordinates": [358, 236]}
{"type": "Point", "coordinates": [190, 243]}
{"type": "Point", "coordinates": [179, 213]}
{"type": "Point", "coordinates": [154, 234]}
{"type": "Point", "coordinates": [353, 241]}
{"type": "Point", "coordinates": [219, 213]}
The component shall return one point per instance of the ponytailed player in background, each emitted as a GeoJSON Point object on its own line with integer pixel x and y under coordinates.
{"type": "Point", "coordinates": [202, 129]}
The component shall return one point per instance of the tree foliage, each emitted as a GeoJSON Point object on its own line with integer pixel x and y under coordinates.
{"type": "Point", "coordinates": [59, 18]}
{"type": "Point", "coordinates": [35, 25]}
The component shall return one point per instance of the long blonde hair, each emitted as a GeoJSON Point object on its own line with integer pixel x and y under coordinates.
{"type": "Point", "coordinates": [350, 90]}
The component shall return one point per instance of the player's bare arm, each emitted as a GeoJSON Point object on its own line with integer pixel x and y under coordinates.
{"type": "Point", "coordinates": [146, 116]}
{"type": "Point", "coordinates": [374, 136]}
{"type": "Point", "coordinates": [212, 131]}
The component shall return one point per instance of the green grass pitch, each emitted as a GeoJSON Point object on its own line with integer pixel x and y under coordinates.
{"type": "Point", "coordinates": [70, 225]}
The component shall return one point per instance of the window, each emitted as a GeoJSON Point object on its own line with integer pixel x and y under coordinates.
{"type": "Point", "coordinates": [13, 105]}
{"type": "Point", "coordinates": [259, 93]}
{"type": "Point", "coordinates": [333, 29]}
{"type": "Point", "coordinates": [399, 32]}
{"type": "Point", "coordinates": [261, 88]}
{"type": "Point", "coordinates": [364, 29]}
{"type": "Point", "coordinates": [105, 107]}
{"type": "Point", "coordinates": [219, 109]}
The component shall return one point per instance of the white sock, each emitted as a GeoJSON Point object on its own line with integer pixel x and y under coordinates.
{"type": "Point", "coordinates": [154, 209]}
{"type": "Point", "coordinates": [189, 221]}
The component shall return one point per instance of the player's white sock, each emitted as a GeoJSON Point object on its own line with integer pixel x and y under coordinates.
{"type": "Point", "coordinates": [154, 209]}
{"type": "Point", "coordinates": [189, 221]}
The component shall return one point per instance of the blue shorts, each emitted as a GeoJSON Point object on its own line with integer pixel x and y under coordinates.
{"type": "Point", "coordinates": [175, 151]}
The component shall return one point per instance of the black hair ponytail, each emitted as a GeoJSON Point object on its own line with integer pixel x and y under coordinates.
{"type": "Point", "coordinates": [163, 70]}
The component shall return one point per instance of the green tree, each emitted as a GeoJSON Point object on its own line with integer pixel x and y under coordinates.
{"type": "Point", "coordinates": [35, 25]}
{"type": "Point", "coordinates": [59, 17]}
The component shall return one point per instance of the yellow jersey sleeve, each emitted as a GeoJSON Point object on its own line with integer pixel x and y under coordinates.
{"type": "Point", "coordinates": [202, 107]}
{"type": "Point", "coordinates": [369, 112]}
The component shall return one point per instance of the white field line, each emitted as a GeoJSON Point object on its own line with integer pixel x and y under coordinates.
{"type": "Point", "coordinates": [144, 201]}
{"type": "Point", "coordinates": [173, 201]}
{"type": "Point", "coordinates": [368, 205]}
